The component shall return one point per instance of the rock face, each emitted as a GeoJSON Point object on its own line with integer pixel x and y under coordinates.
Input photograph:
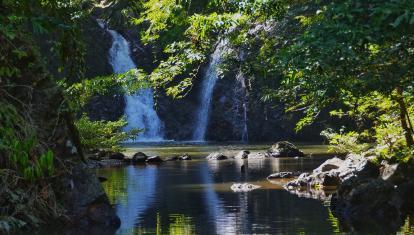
{"type": "Point", "coordinates": [334, 171]}
{"type": "Point", "coordinates": [245, 187]}
{"type": "Point", "coordinates": [365, 194]}
{"type": "Point", "coordinates": [285, 149]}
{"type": "Point", "coordinates": [86, 200]}
{"type": "Point", "coordinates": [216, 156]}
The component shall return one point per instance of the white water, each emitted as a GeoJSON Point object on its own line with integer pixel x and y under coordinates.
{"type": "Point", "coordinates": [139, 108]}
{"type": "Point", "coordinates": [209, 81]}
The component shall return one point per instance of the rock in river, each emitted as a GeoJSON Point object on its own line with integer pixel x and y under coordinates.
{"type": "Point", "coordinates": [185, 158]}
{"type": "Point", "coordinates": [242, 154]}
{"type": "Point", "coordinates": [245, 187]}
{"type": "Point", "coordinates": [154, 159]}
{"type": "Point", "coordinates": [216, 156]}
{"type": "Point", "coordinates": [285, 149]}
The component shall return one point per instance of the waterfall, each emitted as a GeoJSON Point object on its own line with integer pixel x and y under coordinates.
{"type": "Point", "coordinates": [207, 87]}
{"type": "Point", "coordinates": [139, 110]}
{"type": "Point", "coordinates": [242, 79]}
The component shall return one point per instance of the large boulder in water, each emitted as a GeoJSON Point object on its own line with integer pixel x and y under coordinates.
{"type": "Point", "coordinates": [285, 149]}
{"type": "Point", "coordinates": [216, 156]}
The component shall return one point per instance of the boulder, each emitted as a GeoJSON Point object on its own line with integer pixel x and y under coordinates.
{"type": "Point", "coordinates": [137, 158]}
{"type": "Point", "coordinates": [334, 171]}
{"type": "Point", "coordinates": [285, 149]}
{"type": "Point", "coordinates": [329, 164]}
{"type": "Point", "coordinates": [185, 158]}
{"type": "Point", "coordinates": [363, 200]}
{"type": "Point", "coordinates": [140, 154]}
{"type": "Point", "coordinates": [116, 156]}
{"type": "Point", "coordinates": [258, 155]}
{"type": "Point", "coordinates": [283, 174]}
{"type": "Point", "coordinates": [216, 156]}
{"type": "Point", "coordinates": [245, 187]}
{"type": "Point", "coordinates": [154, 159]}
{"type": "Point", "coordinates": [173, 158]}
{"type": "Point", "coordinates": [242, 154]}
{"type": "Point", "coordinates": [397, 173]}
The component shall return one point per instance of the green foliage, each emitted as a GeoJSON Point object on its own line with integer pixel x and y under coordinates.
{"type": "Point", "coordinates": [346, 142]}
{"type": "Point", "coordinates": [107, 135]}
{"type": "Point", "coordinates": [81, 92]}
{"type": "Point", "coordinates": [20, 147]}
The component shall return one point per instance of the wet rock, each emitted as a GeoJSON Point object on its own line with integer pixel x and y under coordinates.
{"type": "Point", "coordinates": [284, 174]}
{"type": "Point", "coordinates": [155, 159]}
{"type": "Point", "coordinates": [285, 149]}
{"type": "Point", "coordinates": [140, 154]}
{"type": "Point", "coordinates": [173, 158]}
{"type": "Point", "coordinates": [216, 156]}
{"type": "Point", "coordinates": [116, 156]}
{"type": "Point", "coordinates": [258, 156]}
{"type": "Point", "coordinates": [245, 187]}
{"type": "Point", "coordinates": [242, 154]}
{"type": "Point", "coordinates": [185, 158]}
{"type": "Point", "coordinates": [137, 158]}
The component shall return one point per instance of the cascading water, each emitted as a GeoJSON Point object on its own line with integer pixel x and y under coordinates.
{"type": "Point", "coordinates": [210, 78]}
{"type": "Point", "coordinates": [139, 108]}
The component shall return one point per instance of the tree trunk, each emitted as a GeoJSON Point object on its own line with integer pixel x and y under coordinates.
{"type": "Point", "coordinates": [404, 118]}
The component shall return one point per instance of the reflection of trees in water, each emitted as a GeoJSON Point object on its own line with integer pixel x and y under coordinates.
{"type": "Point", "coordinates": [115, 186]}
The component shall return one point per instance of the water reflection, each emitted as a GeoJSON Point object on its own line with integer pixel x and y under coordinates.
{"type": "Point", "coordinates": [194, 197]}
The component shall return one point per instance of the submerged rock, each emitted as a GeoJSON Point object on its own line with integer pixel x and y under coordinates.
{"type": "Point", "coordinates": [244, 187]}
{"type": "Point", "coordinates": [242, 154]}
{"type": "Point", "coordinates": [173, 158]}
{"type": "Point", "coordinates": [154, 159]}
{"type": "Point", "coordinates": [216, 156]}
{"type": "Point", "coordinates": [285, 149]}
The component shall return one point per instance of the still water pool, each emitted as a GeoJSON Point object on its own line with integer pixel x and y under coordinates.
{"type": "Point", "coordinates": [194, 197]}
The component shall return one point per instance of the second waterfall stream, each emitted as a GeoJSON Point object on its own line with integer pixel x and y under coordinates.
{"type": "Point", "coordinates": [139, 110]}
{"type": "Point", "coordinates": [207, 87]}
